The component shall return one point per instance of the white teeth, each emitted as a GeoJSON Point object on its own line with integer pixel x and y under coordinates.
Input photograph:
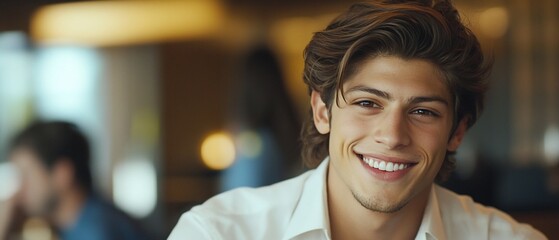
{"type": "Point", "coordinates": [384, 166]}
{"type": "Point", "coordinates": [389, 167]}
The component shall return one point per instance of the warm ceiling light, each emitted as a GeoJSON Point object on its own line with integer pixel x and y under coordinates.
{"type": "Point", "coordinates": [109, 23]}
{"type": "Point", "coordinates": [494, 22]}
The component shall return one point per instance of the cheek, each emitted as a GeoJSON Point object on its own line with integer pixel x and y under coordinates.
{"type": "Point", "coordinates": [434, 145]}
{"type": "Point", "coordinates": [438, 158]}
{"type": "Point", "coordinates": [344, 132]}
{"type": "Point", "coordinates": [36, 190]}
{"type": "Point", "coordinates": [346, 124]}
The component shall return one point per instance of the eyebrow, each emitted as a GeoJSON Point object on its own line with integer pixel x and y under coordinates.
{"type": "Point", "coordinates": [387, 96]}
{"type": "Point", "coordinates": [416, 100]}
{"type": "Point", "coordinates": [373, 91]}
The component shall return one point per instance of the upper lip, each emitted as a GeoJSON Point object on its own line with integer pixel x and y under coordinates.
{"type": "Point", "coordinates": [387, 158]}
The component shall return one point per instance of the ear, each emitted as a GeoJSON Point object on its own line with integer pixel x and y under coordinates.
{"type": "Point", "coordinates": [320, 113]}
{"type": "Point", "coordinates": [458, 135]}
{"type": "Point", "coordinates": [63, 174]}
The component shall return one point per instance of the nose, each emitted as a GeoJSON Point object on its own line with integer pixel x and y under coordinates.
{"type": "Point", "coordinates": [391, 130]}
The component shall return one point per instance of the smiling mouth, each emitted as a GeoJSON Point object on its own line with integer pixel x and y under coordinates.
{"type": "Point", "coordinates": [384, 165]}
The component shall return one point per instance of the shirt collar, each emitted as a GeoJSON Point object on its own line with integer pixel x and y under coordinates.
{"type": "Point", "coordinates": [311, 213]}
{"type": "Point", "coordinates": [432, 226]}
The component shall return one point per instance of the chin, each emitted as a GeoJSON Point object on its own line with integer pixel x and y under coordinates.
{"type": "Point", "coordinates": [381, 205]}
{"type": "Point", "coordinates": [381, 198]}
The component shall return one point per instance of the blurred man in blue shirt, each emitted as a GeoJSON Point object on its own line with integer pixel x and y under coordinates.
{"type": "Point", "coordinates": [54, 162]}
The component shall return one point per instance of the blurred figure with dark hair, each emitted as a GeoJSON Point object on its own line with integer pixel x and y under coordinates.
{"type": "Point", "coordinates": [56, 184]}
{"type": "Point", "coordinates": [263, 115]}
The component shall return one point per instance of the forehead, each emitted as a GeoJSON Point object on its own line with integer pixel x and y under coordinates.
{"type": "Point", "coordinates": [400, 77]}
{"type": "Point", "coordinates": [26, 159]}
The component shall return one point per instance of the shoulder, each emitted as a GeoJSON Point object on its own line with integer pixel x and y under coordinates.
{"type": "Point", "coordinates": [464, 217]}
{"type": "Point", "coordinates": [246, 200]}
{"type": "Point", "coordinates": [103, 220]}
{"type": "Point", "coordinates": [244, 212]}
{"type": "Point", "coordinates": [249, 201]}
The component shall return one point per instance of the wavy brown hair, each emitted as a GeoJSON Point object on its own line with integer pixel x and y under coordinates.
{"type": "Point", "coordinates": [429, 30]}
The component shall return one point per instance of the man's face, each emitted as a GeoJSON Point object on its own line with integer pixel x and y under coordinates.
{"type": "Point", "coordinates": [37, 194]}
{"type": "Point", "coordinates": [390, 136]}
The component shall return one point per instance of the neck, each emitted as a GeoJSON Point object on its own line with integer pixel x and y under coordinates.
{"type": "Point", "coordinates": [68, 208]}
{"type": "Point", "coordinates": [350, 220]}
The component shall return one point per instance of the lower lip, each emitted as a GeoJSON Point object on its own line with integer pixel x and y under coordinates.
{"type": "Point", "coordinates": [385, 175]}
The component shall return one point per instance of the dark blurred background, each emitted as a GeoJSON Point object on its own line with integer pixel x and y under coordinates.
{"type": "Point", "coordinates": [186, 99]}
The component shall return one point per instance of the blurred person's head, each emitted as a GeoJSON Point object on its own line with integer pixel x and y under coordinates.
{"type": "Point", "coordinates": [423, 30]}
{"type": "Point", "coordinates": [53, 158]}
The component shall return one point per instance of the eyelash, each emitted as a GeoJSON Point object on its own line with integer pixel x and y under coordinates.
{"type": "Point", "coordinates": [368, 104]}
{"type": "Point", "coordinates": [425, 112]}
{"type": "Point", "coordinates": [421, 112]}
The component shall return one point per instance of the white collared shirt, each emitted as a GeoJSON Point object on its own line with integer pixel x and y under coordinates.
{"type": "Point", "coordinates": [297, 209]}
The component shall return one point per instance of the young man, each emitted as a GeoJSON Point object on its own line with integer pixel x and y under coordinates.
{"type": "Point", "coordinates": [53, 159]}
{"type": "Point", "coordinates": [394, 87]}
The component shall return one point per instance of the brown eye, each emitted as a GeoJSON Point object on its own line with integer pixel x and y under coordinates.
{"type": "Point", "coordinates": [425, 112]}
{"type": "Point", "coordinates": [368, 104]}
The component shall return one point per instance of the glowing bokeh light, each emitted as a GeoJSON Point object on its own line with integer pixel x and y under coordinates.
{"type": "Point", "coordinates": [9, 180]}
{"type": "Point", "coordinates": [135, 187]}
{"type": "Point", "coordinates": [494, 22]}
{"type": "Point", "coordinates": [110, 23]}
{"type": "Point", "coordinates": [66, 83]}
{"type": "Point", "coordinates": [551, 145]}
{"type": "Point", "coordinates": [218, 151]}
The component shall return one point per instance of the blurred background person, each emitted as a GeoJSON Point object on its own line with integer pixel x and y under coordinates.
{"type": "Point", "coordinates": [265, 122]}
{"type": "Point", "coordinates": [53, 160]}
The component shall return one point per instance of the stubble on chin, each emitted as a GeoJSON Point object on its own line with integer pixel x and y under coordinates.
{"type": "Point", "coordinates": [375, 204]}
